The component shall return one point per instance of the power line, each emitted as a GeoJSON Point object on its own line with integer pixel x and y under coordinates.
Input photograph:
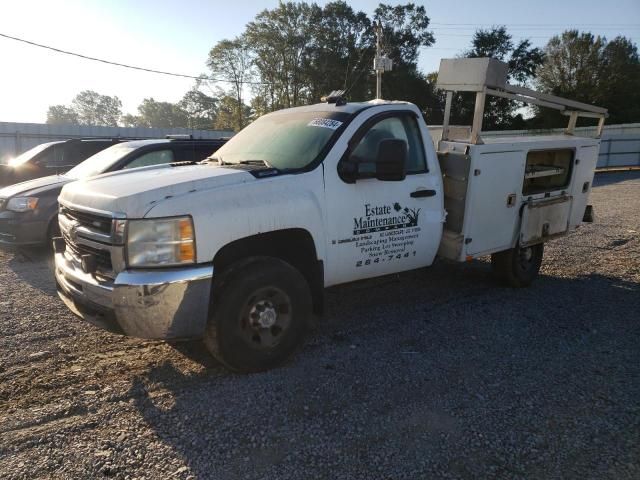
{"type": "Point", "coordinates": [469, 35]}
{"type": "Point", "coordinates": [564, 25]}
{"type": "Point", "coordinates": [124, 65]}
{"type": "Point", "coordinates": [472, 27]}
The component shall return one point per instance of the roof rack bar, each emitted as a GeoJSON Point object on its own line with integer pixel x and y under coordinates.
{"type": "Point", "coordinates": [554, 99]}
{"type": "Point", "coordinates": [521, 98]}
{"type": "Point", "coordinates": [488, 76]}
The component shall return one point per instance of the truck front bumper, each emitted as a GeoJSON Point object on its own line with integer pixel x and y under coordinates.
{"type": "Point", "coordinates": [170, 303]}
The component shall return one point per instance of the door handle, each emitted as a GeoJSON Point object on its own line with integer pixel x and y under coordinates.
{"type": "Point", "coordinates": [423, 193]}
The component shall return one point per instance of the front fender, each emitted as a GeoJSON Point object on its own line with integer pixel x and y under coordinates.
{"type": "Point", "coordinates": [229, 213]}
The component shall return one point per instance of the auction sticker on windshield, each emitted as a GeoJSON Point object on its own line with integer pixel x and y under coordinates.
{"type": "Point", "coordinates": [325, 123]}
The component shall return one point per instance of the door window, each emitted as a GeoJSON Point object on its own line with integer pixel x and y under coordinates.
{"type": "Point", "coordinates": [151, 158]}
{"type": "Point", "coordinates": [53, 157]}
{"type": "Point", "coordinates": [400, 128]}
{"type": "Point", "coordinates": [183, 153]}
{"type": "Point", "coordinates": [204, 151]}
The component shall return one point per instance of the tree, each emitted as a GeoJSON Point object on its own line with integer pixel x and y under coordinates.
{"type": "Point", "coordinates": [201, 109]}
{"type": "Point", "coordinates": [230, 60]}
{"type": "Point", "coordinates": [154, 114]}
{"type": "Point", "coordinates": [302, 51]}
{"type": "Point", "coordinates": [405, 29]}
{"type": "Point", "coordinates": [523, 61]}
{"type": "Point", "coordinates": [88, 108]}
{"type": "Point", "coordinates": [228, 112]}
{"type": "Point", "coordinates": [340, 51]}
{"type": "Point", "coordinates": [589, 69]}
{"type": "Point", "coordinates": [95, 109]}
{"type": "Point", "coordinates": [62, 115]}
{"type": "Point", "coordinates": [280, 40]}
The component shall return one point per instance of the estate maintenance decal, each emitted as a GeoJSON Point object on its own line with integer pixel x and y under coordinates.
{"type": "Point", "coordinates": [384, 233]}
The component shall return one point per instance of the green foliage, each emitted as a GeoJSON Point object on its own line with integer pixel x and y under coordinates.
{"type": "Point", "coordinates": [62, 115]}
{"type": "Point", "coordinates": [298, 52]}
{"type": "Point", "coordinates": [405, 30]}
{"type": "Point", "coordinates": [341, 48]}
{"type": "Point", "coordinates": [589, 69]}
{"type": "Point", "coordinates": [95, 109]}
{"type": "Point", "coordinates": [201, 109]}
{"type": "Point", "coordinates": [158, 114]}
{"type": "Point", "coordinates": [230, 60]}
{"type": "Point", "coordinates": [523, 61]}
{"type": "Point", "coordinates": [228, 113]}
{"type": "Point", "coordinates": [280, 40]}
{"type": "Point", "coordinates": [87, 108]}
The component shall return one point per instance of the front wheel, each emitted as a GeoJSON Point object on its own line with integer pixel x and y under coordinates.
{"type": "Point", "coordinates": [518, 266]}
{"type": "Point", "coordinates": [259, 315]}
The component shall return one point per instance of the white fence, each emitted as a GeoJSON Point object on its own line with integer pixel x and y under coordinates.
{"type": "Point", "coordinates": [16, 138]}
{"type": "Point", "coordinates": [620, 145]}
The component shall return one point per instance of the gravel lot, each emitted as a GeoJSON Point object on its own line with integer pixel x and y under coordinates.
{"type": "Point", "coordinates": [438, 373]}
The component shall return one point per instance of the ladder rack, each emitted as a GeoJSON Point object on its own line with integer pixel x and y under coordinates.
{"type": "Point", "coordinates": [488, 76]}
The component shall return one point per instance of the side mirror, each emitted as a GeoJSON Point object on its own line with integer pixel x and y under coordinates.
{"type": "Point", "coordinates": [348, 171]}
{"type": "Point", "coordinates": [391, 160]}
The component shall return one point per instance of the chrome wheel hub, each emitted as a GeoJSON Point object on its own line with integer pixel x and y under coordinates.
{"type": "Point", "coordinates": [265, 318]}
{"type": "Point", "coordinates": [263, 314]}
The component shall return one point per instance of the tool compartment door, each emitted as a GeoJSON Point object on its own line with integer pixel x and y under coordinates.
{"type": "Point", "coordinates": [491, 213]}
{"type": "Point", "coordinates": [544, 219]}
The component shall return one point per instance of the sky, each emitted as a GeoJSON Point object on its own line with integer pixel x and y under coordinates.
{"type": "Point", "coordinates": [177, 36]}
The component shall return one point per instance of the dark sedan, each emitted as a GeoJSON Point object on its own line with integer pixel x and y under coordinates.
{"type": "Point", "coordinates": [51, 158]}
{"type": "Point", "coordinates": [28, 210]}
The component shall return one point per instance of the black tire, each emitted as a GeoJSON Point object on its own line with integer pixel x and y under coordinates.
{"type": "Point", "coordinates": [518, 267]}
{"type": "Point", "coordinates": [259, 314]}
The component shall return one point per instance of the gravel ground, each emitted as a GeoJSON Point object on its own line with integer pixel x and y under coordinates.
{"type": "Point", "coordinates": [438, 373]}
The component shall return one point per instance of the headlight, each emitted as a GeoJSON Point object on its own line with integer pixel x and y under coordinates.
{"type": "Point", "coordinates": [22, 204]}
{"type": "Point", "coordinates": [157, 242]}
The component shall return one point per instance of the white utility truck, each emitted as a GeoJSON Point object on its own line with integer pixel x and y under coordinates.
{"type": "Point", "coordinates": [237, 250]}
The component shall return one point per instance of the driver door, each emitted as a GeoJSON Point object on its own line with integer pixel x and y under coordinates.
{"type": "Point", "coordinates": [378, 227]}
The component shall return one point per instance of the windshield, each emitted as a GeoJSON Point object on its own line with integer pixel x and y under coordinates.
{"type": "Point", "coordinates": [100, 162]}
{"type": "Point", "coordinates": [284, 141]}
{"type": "Point", "coordinates": [29, 154]}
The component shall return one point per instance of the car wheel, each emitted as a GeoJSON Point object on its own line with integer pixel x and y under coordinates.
{"type": "Point", "coordinates": [518, 266]}
{"type": "Point", "coordinates": [259, 314]}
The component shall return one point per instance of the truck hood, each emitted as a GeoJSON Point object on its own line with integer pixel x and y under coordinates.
{"type": "Point", "coordinates": [134, 193]}
{"type": "Point", "coordinates": [34, 187]}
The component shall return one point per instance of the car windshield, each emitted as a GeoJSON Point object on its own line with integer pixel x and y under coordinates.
{"type": "Point", "coordinates": [286, 141]}
{"type": "Point", "coordinates": [100, 162]}
{"type": "Point", "coordinates": [29, 154]}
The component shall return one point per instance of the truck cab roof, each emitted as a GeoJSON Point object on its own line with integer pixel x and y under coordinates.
{"type": "Point", "coordinates": [349, 107]}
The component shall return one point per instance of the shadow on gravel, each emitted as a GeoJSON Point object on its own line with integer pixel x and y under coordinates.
{"type": "Point", "coordinates": [34, 265]}
{"type": "Point", "coordinates": [479, 382]}
{"type": "Point", "coordinates": [195, 351]}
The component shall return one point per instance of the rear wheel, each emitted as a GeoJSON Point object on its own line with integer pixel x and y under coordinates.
{"type": "Point", "coordinates": [259, 315]}
{"type": "Point", "coordinates": [518, 266]}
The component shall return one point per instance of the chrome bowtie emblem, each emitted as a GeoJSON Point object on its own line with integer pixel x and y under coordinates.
{"type": "Point", "coordinates": [73, 232]}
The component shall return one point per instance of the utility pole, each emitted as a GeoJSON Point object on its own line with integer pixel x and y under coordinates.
{"type": "Point", "coordinates": [381, 63]}
{"type": "Point", "coordinates": [378, 55]}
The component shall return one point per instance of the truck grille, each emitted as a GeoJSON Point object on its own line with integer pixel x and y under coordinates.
{"type": "Point", "coordinates": [89, 220]}
{"type": "Point", "coordinates": [103, 257]}
{"type": "Point", "coordinates": [86, 233]}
